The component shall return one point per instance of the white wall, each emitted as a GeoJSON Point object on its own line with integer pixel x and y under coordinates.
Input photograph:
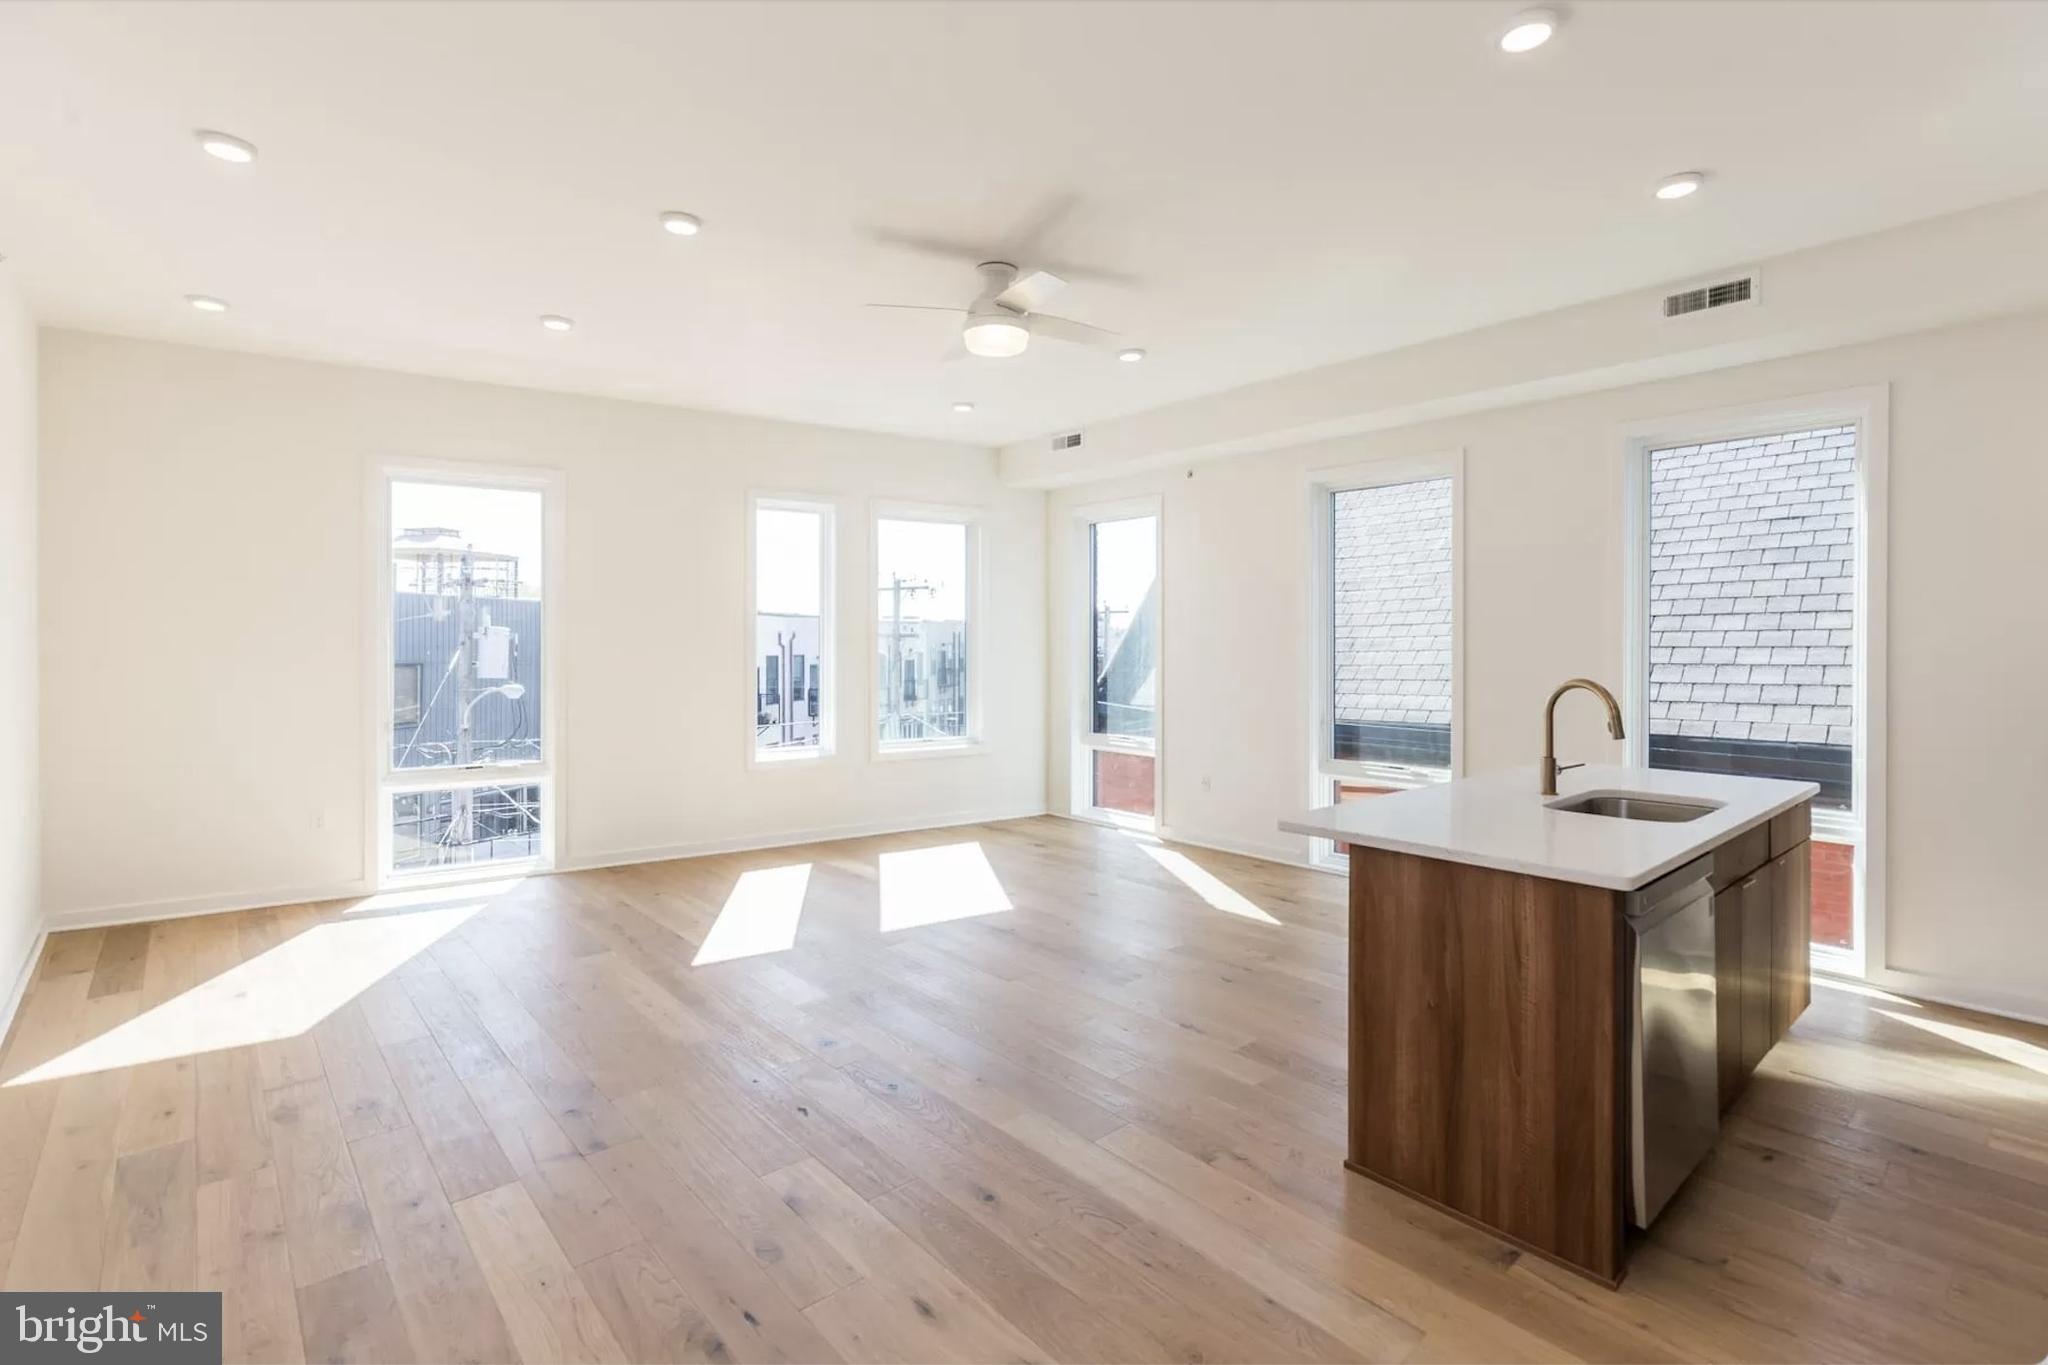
{"type": "Point", "coordinates": [205, 551]}
{"type": "Point", "coordinates": [1968, 645]}
{"type": "Point", "coordinates": [1932, 273]}
{"type": "Point", "coordinates": [20, 897]}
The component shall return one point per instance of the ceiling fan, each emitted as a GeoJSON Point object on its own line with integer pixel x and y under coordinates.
{"type": "Point", "coordinates": [1005, 314]}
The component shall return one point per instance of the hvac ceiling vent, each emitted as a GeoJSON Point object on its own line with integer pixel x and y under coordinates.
{"type": "Point", "coordinates": [1727, 292]}
{"type": "Point", "coordinates": [1066, 440]}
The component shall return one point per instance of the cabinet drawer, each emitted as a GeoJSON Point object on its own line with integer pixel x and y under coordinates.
{"type": "Point", "coordinates": [1740, 856]}
{"type": "Point", "coordinates": [1794, 827]}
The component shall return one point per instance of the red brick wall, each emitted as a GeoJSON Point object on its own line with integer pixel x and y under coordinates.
{"type": "Point", "coordinates": [1834, 890]}
{"type": "Point", "coordinates": [1123, 782]}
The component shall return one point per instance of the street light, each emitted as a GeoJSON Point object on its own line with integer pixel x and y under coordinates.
{"type": "Point", "coordinates": [465, 808]}
{"type": "Point", "coordinates": [511, 691]}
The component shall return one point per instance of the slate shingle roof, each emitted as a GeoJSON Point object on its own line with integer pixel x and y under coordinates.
{"type": "Point", "coordinates": [1392, 603]}
{"type": "Point", "coordinates": [1752, 588]}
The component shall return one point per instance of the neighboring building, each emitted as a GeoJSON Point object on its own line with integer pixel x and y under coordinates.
{"type": "Point", "coordinates": [462, 639]}
{"type": "Point", "coordinates": [1391, 608]}
{"type": "Point", "coordinates": [921, 674]}
{"type": "Point", "coordinates": [1126, 696]}
{"type": "Point", "coordinates": [1752, 607]}
{"type": "Point", "coordinates": [788, 672]}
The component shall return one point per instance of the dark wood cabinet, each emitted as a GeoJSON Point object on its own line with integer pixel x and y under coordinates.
{"type": "Point", "coordinates": [1491, 1026]}
{"type": "Point", "coordinates": [1762, 937]}
{"type": "Point", "coordinates": [1755, 1005]}
{"type": "Point", "coordinates": [1791, 935]}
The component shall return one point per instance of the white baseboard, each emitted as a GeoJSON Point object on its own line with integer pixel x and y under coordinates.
{"type": "Point", "coordinates": [21, 980]}
{"type": "Point", "coordinates": [790, 838]}
{"type": "Point", "coordinates": [1265, 853]}
{"type": "Point", "coordinates": [1941, 990]}
{"type": "Point", "coordinates": [141, 912]}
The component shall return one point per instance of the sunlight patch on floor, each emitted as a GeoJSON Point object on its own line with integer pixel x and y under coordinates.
{"type": "Point", "coordinates": [933, 885]}
{"type": "Point", "coordinates": [1864, 989]}
{"type": "Point", "coordinates": [279, 993]}
{"type": "Point", "coordinates": [2015, 1050]}
{"type": "Point", "coordinates": [760, 916]}
{"type": "Point", "coordinates": [1206, 884]}
{"type": "Point", "coordinates": [412, 897]}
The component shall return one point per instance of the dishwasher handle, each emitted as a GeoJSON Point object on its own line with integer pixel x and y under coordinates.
{"type": "Point", "coordinates": [1674, 891]}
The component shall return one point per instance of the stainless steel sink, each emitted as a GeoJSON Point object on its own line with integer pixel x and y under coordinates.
{"type": "Point", "coordinates": [1624, 807]}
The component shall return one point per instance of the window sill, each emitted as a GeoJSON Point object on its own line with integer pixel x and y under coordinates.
{"type": "Point", "coordinates": [891, 753]}
{"type": "Point", "coordinates": [787, 758]}
{"type": "Point", "coordinates": [450, 878]}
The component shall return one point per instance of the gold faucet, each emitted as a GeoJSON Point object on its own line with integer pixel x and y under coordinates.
{"type": "Point", "coordinates": [1550, 769]}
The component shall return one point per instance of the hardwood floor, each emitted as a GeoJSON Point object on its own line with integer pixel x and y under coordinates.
{"type": "Point", "coordinates": [1104, 1123]}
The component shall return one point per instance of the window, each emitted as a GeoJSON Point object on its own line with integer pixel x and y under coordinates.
{"type": "Point", "coordinates": [1116, 765]}
{"type": "Point", "coordinates": [924, 620]}
{"type": "Point", "coordinates": [790, 617]}
{"type": "Point", "coordinates": [1386, 603]}
{"type": "Point", "coordinates": [1755, 645]}
{"type": "Point", "coordinates": [405, 703]}
{"type": "Point", "coordinates": [466, 751]}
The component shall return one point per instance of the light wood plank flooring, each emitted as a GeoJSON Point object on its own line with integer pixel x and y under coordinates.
{"type": "Point", "coordinates": [1023, 1091]}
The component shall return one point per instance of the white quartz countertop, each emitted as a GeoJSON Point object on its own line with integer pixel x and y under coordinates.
{"type": "Point", "coordinates": [1499, 820]}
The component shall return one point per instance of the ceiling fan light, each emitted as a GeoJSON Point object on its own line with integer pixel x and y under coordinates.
{"type": "Point", "coordinates": [995, 338]}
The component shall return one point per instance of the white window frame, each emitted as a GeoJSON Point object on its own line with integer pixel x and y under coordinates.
{"type": "Point", "coordinates": [827, 512]}
{"type": "Point", "coordinates": [1863, 827]}
{"type": "Point", "coordinates": [386, 781]}
{"type": "Point", "coordinates": [974, 601]}
{"type": "Point", "coordinates": [1324, 767]}
{"type": "Point", "coordinates": [1086, 743]}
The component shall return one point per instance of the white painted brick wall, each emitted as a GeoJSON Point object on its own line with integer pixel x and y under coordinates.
{"type": "Point", "coordinates": [1752, 588]}
{"type": "Point", "coordinates": [1392, 603]}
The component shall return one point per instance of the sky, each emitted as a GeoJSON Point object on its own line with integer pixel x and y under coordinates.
{"type": "Point", "coordinates": [503, 520]}
{"type": "Point", "coordinates": [929, 552]}
{"type": "Point", "coordinates": [786, 562]}
{"type": "Point", "coordinates": [1125, 564]}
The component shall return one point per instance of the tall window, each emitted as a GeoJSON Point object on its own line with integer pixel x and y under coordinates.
{"type": "Point", "coordinates": [1387, 595]}
{"type": "Point", "coordinates": [792, 629]}
{"type": "Point", "coordinates": [924, 610]}
{"type": "Point", "coordinates": [466, 766]}
{"type": "Point", "coordinates": [1116, 770]}
{"type": "Point", "coordinates": [1753, 630]}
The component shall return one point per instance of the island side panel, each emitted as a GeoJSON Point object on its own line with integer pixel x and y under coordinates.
{"type": "Point", "coordinates": [1486, 1050]}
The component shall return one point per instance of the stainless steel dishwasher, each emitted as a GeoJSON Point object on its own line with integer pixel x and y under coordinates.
{"type": "Point", "coordinates": [1674, 1099]}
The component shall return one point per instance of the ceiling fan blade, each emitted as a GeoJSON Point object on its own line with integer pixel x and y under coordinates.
{"type": "Point", "coordinates": [919, 307]}
{"type": "Point", "coordinates": [1066, 329]}
{"type": "Point", "coordinates": [1029, 293]}
{"type": "Point", "coordinates": [930, 245]}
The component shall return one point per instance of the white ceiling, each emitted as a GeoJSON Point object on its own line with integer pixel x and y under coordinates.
{"type": "Point", "coordinates": [1253, 189]}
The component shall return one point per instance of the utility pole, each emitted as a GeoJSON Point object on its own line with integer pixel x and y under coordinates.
{"type": "Point", "coordinates": [785, 687]}
{"type": "Point", "coordinates": [465, 693]}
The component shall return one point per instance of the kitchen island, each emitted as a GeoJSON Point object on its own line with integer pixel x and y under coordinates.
{"type": "Point", "coordinates": [1553, 997]}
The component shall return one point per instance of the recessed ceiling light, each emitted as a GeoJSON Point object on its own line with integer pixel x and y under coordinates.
{"type": "Point", "coordinates": [226, 146]}
{"type": "Point", "coordinates": [206, 303]}
{"type": "Point", "coordinates": [963, 407]}
{"type": "Point", "coordinates": [682, 224]}
{"type": "Point", "coordinates": [1131, 355]}
{"type": "Point", "coordinates": [1679, 186]}
{"type": "Point", "coordinates": [1529, 30]}
{"type": "Point", "coordinates": [555, 322]}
